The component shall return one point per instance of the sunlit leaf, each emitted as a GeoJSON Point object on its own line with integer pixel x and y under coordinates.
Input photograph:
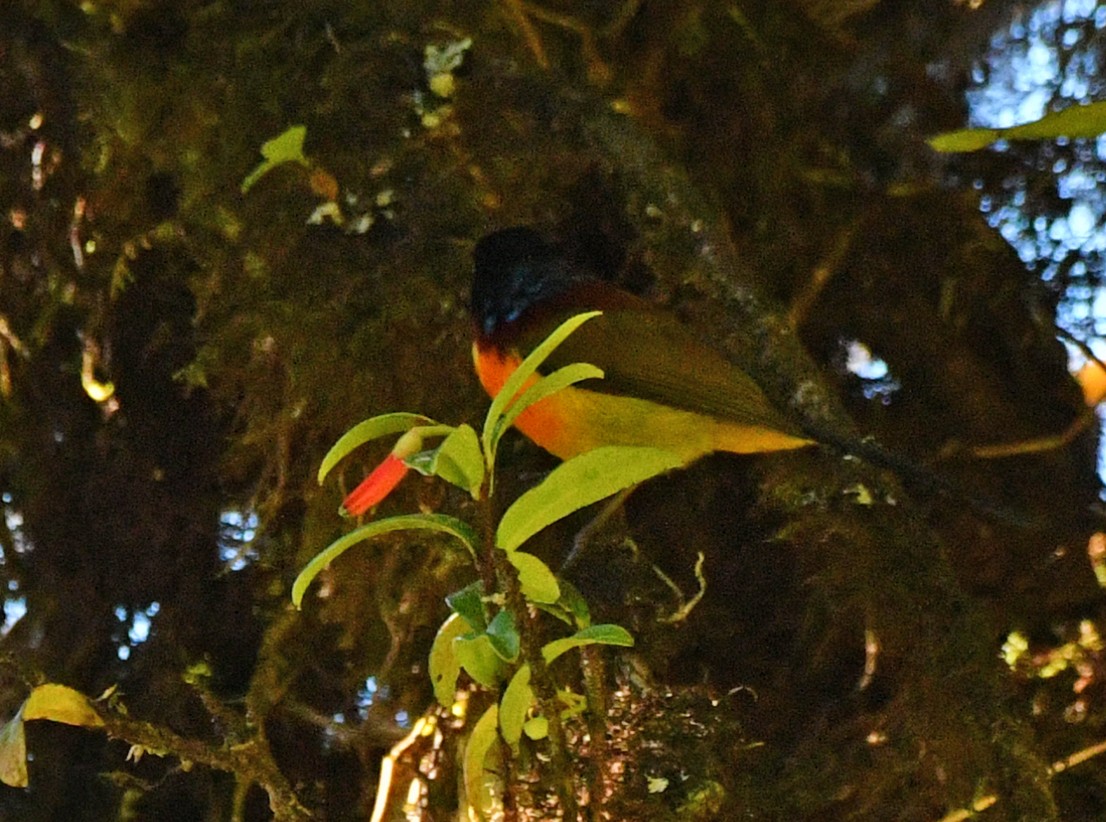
{"type": "Point", "coordinates": [444, 666]}
{"type": "Point", "coordinates": [458, 460]}
{"type": "Point", "coordinates": [481, 783]}
{"type": "Point", "coordinates": [515, 705]}
{"type": "Point", "coordinates": [438, 523]}
{"type": "Point", "coordinates": [577, 483]}
{"type": "Point", "coordinates": [595, 635]}
{"type": "Point", "coordinates": [60, 703]}
{"type": "Point", "coordinates": [492, 430]}
{"type": "Point", "coordinates": [370, 429]}
{"type": "Point", "coordinates": [469, 603]}
{"type": "Point", "coordinates": [480, 661]}
{"type": "Point", "coordinates": [539, 584]}
{"type": "Point", "coordinates": [286, 147]}
{"type": "Point", "coordinates": [13, 752]}
{"type": "Point", "coordinates": [503, 634]}
{"type": "Point", "coordinates": [1073, 122]}
{"type": "Point", "coordinates": [536, 728]}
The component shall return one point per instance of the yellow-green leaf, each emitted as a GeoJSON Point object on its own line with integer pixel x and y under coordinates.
{"type": "Point", "coordinates": [439, 523]}
{"type": "Point", "coordinates": [517, 699]}
{"type": "Point", "coordinates": [536, 728]}
{"type": "Point", "coordinates": [593, 635]}
{"type": "Point", "coordinates": [1073, 122]}
{"type": "Point", "coordinates": [479, 659]}
{"type": "Point", "coordinates": [444, 667]}
{"type": "Point", "coordinates": [577, 483]}
{"type": "Point", "coordinates": [538, 582]}
{"type": "Point", "coordinates": [13, 752]}
{"type": "Point", "coordinates": [482, 786]}
{"type": "Point", "coordinates": [286, 147]}
{"type": "Point", "coordinates": [370, 429]}
{"type": "Point", "coordinates": [60, 703]}
{"type": "Point", "coordinates": [458, 460]}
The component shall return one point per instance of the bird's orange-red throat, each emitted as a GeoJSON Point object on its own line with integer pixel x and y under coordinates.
{"type": "Point", "coordinates": [662, 386]}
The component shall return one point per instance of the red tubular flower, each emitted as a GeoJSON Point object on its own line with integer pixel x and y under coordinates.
{"type": "Point", "coordinates": [376, 486]}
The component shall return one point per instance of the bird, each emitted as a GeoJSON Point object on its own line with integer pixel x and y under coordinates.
{"type": "Point", "coordinates": [661, 387]}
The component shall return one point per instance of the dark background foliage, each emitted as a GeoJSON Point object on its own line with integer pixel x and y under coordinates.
{"type": "Point", "coordinates": [722, 159]}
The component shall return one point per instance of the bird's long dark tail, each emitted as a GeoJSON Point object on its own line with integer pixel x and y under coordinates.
{"type": "Point", "coordinates": [920, 478]}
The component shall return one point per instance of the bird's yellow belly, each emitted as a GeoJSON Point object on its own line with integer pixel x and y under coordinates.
{"type": "Point", "coordinates": [576, 420]}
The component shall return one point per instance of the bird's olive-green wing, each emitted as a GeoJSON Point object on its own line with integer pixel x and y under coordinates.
{"type": "Point", "coordinates": [651, 355]}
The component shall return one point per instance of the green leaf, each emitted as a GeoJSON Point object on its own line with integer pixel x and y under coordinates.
{"type": "Point", "coordinates": [518, 697]}
{"type": "Point", "coordinates": [526, 369]}
{"type": "Point", "coordinates": [536, 728]}
{"type": "Point", "coordinates": [13, 752]}
{"type": "Point", "coordinates": [444, 666]}
{"type": "Point", "coordinates": [595, 635]}
{"type": "Point", "coordinates": [482, 786]}
{"type": "Point", "coordinates": [438, 523]}
{"type": "Point", "coordinates": [503, 634]}
{"type": "Point", "coordinates": [578, 483]}
{"type": "Point", "coordinates": [574, 704]}
{"type": "Point", "coordinates": [964, 139]}
{"type": "Point", "coordinates": [573, 601]}
{"type": "Point", "coordinates": [469, 603]}
{"type": "Point", "coordinates": [545, 387]}
{"type": "Point", "coordinates": [1074, 121]}
{"type": "Point", "coordinates": [458, 460]}
{"type": "Point", "coordinates": [539, 584]}
{"type": "Point", "coordinates": [479, 659]}
{"type": "Point", "coordinates": [370, 429]}
{"type": "Point", "coordinates": [60, 703]}
{"type": "Point", "coordinates": [286, 147]}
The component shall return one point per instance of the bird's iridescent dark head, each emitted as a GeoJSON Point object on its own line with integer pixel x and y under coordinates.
{"type": "Point", "coordinates": [514, 269]}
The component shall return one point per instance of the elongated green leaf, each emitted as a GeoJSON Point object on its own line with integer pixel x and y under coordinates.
{"type": "Point", "coordinates": [547, 386]}
{"type": "Point", "coordinates": [1074, 121]}
{"type": "Point", "coordinates": [439, 523]}
{"type": "Point", "coordinates": [481, 784]}
{"type": "Point", "coordinates": [578, 483]}
{"type": "Point", "coordinates": [539, 584]}
{"type": "Point", "coordinates": [444, 667]}
{"type": "Point", "coordinates": [458, 460]}
{"type": "Point", "coordinates": [503, 634]}
{"type": "Point", "coordinates": [964, 139]}
{"type": "Point", "coordinates": [371, 429]}
{"type": "Point", "coordinates": [469, 603]}
{"type": "Point", "coordinates": [479, 659]}
{"type": "Point", "coordinates": [518, 696]}
{"type": "Point", "coordinates": [492, 431]}
{"type": "Point", "coordinates": [595, 635]}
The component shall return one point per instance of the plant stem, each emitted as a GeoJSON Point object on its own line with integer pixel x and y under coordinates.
{"type": "Point", "coordinates": [544, 688]}
{"type": "Point", "coordinates": [595, 688]}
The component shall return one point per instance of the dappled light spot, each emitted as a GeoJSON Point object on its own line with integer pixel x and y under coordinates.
{"type": "Point", "coordinates": [138, 623]}
{"type": "Point", "coordinates": [877, 381]}
{"type": "Point", "coordinates": [237, 532]}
